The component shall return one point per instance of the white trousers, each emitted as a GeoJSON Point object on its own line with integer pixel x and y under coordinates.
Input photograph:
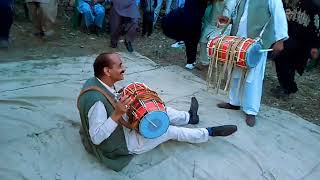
{"type": "Point", "coordinates": [248, 96]}
{"type": "Point", "coordinates": [137, 144]}
{"type": "Point", "coordinates": [158, 9]}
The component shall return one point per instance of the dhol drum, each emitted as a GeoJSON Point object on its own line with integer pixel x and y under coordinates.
{"type": "Point", "coordinates": [147, 114]}
{"type": "Point", "coordinates": [244, 52]}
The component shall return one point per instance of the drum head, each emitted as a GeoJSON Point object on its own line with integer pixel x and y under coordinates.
{"type": "Point", "coordinates": [154, 124]}
{"type": "Point", "coordinates": [254, 55]}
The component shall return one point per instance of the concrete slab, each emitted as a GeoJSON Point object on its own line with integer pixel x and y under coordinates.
{"type": "Point", "coordinates": [39, 132]}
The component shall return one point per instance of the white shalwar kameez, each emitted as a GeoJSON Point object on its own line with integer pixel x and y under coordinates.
{"type": "Point", "coordinates": [101, 127]}
{"type": "Point", "coordinates": [249, 96]}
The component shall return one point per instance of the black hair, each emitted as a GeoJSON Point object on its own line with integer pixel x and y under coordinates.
{"type": "Point", "coordinates": [102, 61]}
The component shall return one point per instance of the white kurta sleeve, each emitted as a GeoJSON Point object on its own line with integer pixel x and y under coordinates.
{"type": "Point", "coordinates": [229, 7]}
{"type": "Point", "coordinates": [100, 126]}
{"type": "Point", "coordinates": [280, 20]}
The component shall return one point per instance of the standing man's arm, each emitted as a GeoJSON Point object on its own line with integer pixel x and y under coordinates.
{"type": "Point", "coordinates": [280, 24]}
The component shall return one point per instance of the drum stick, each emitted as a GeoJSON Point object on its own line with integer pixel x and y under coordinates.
{"type": "Point", "coordinates": [151, 122]}
{"type": "Point", "coordinates": [265, 50]}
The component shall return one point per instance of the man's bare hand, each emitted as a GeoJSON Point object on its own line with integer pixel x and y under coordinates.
{"type": "Point", "coordinates": [277, 47]}
{"type": "Point", "coordinates": [121, 107]}
{"type": "Point", "coordinates": [222, 21]}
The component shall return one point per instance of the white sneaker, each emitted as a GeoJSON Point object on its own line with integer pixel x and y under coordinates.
{"type": "Point", "coordinates": [178, 44]}
{"type": "Point", "coordinates": [49, 33]}
{"type": "Point", "coordinates": [190, 66]}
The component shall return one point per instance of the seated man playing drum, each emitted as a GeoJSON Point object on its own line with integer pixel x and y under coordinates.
{"type": "Point", "coordinates": [107, 135]}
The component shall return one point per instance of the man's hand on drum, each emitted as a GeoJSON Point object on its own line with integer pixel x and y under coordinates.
{"type": "Point", "coordinates": [121, 107]}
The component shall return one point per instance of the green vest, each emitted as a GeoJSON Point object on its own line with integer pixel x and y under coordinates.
{"type": "Point", "coordinates": [113, 151]}
{"type": "Point", "coordinates": [258, 15]}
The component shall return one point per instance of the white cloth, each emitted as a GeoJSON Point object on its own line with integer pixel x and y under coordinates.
{"type": "Point", "coordinates": [229, 6]}
{"type": "Point", "coordinates": [101, 127]}
{"type": "Point", "coordinates": [249, 97]}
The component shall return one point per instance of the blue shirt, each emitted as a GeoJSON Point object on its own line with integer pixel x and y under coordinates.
{"type": "Point", "coordinates": [5, 3]}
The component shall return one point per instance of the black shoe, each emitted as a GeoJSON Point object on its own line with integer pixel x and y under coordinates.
{"type": "Point", "coordinates": [92, 29]}
{"type": "Point", "coordinates": [280, 93]}
{"type": "Point", "coordinates": [194, 118]}
{"type": "Point", "coordinates": [128, 46]}
{"type": "Point", "coordinates": [99, 31]}
{"type": "Point", "coordinates": [113, 45]}
{"type": "Point", "coordinates": [228, 106]}
{"type": "Point", "coordinates": [225, 130]}
{"type": "Point", "coordinates": [250, 120]}
{"type": "Point", "coordinates": [39, 34]}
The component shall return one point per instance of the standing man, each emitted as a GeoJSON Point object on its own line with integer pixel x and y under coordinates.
{"type": "Point", "coordinates": [43, 14]}
{"type": "Point", "coordinates": [184, 24]}
{"type": "Point", "coordinates": [248, 20]}
{"type": "Point", "coordinates": [304, 31]}
{"type": "Point", "coordinates": [94, 13]}
{"type": "Point", "coordinates": [113, 144]}
{"type": "Point", "coordinates": [158, 9]}
{"type": "Point", "coordinates": [6, 18]}
{"type": "Point", "coordinates": [148, 16]}
{"type": "Point", "coordinates": [214, 9]}
{"type": "Point", "coordinates": [124, 17]}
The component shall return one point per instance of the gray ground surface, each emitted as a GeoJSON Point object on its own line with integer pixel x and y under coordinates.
{"type": "Point", "coordinates": [39, 132]}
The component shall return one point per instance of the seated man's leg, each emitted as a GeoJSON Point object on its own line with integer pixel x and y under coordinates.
{"type": "Point", "coordinates": [100, 13]}
{"type": "Point", "coordinates": [85, 9]}
{"type": "Point", "coordinates": [180, 118]}
{"type": "Point", "coordinates": [138, 144]}
{"type": "Point", "coordinates": [195, 135]}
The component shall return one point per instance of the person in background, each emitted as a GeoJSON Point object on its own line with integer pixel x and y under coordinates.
{"type": "Point", "coordinates": [124, 18]}
{"type": "Point", "coordinates": [314, 60]}
{"type": "Point", "coordinates": [6, 19]}
{"type": "Point", "coordinates": [94, 13]}
{"type": "Point", "coordinates": [247, 24]}
{"type": "Point", "coordinates": [304, 34]}
{"type": "Point", "coordinates": [148, 7]}
{"type": "Point", "coordinates": [210, 28]}
{"type": "Point", "coordinates": [184, 24]}
{"type": "Point", "coordinates": [178, 44]}
{"type": "Point", "coordinates": [158, 8]}
{"type": "Point", "coordinates": [43, 15]}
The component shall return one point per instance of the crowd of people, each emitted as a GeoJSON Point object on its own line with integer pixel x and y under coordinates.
{"type": "Point", "coordinates": [192, 23]}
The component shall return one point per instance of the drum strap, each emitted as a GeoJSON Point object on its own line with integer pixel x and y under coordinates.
{"type": "Point", "coordinates": [231, 64]}
{"type": "Point", "coordinates": [108, 97]}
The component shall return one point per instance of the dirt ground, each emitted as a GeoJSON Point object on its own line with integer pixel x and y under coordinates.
{"type": "Point", "coordinates": [68, 43]}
